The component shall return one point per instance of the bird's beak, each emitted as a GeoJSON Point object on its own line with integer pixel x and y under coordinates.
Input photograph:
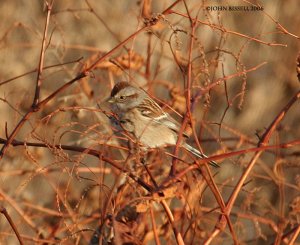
{"type": "Point", "coordinates": [111, 100]}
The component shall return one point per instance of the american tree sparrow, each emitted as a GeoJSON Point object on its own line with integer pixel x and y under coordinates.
{"type": "Point", "coordinates": [145, 119]}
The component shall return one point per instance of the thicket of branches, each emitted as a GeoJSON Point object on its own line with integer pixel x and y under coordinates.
{"type": "Point", "coordinates": [68, 176]}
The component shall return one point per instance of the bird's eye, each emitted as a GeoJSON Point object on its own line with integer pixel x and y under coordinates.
{"type": "Point", "coordinates": [122, 97]}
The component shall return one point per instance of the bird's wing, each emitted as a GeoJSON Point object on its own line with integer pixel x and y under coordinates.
{"type": "Point", "coordinates": [149, 108]}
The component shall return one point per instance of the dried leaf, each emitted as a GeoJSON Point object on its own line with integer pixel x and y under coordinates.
{"type": "Point", "coordinates": [142, 207]}
{"type": "Point", "coordinates": [131, 60]}
{"type": "Point", "coordinates": [167, 193]}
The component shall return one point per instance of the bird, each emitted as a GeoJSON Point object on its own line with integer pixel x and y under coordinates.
{"type": "Point", "coordinates": [141, 116]}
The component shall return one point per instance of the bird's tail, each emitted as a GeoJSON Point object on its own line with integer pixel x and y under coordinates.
{"type": "Point", "coordinates": [199, 154]}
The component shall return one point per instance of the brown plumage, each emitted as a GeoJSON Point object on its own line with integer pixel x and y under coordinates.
{"type": "Point", "coordinates": [145, 119]}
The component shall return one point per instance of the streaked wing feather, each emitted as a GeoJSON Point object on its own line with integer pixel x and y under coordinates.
{"type": "Point", "coordinates": [151, 109]}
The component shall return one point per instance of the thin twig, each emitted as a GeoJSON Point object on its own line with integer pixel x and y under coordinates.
{"type": "Point", "coordinates": [154, 228]}
{"type": "Point", "coordinates": [12, 224]}
{"type": "Point", "coordinates": [36, 69]}
{"type": "Point", "coordinates": [294, 236]}
{"type": "Point", "coordinates": [262, 143]}
{"type": "Point", "coordinates": [42, 56]}
{"type": "Point", "coordinates": [177, 234]}
{"type": "Point", "coordinates": [93, 152]}
{"type": "Point", "coordinates": [222, 29]}
{"type": "Point", "coordinates": [59, 90]}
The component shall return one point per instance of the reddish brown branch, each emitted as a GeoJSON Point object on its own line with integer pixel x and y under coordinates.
{"type": "Point", "coordinates": [187, 87]}
{"type": "Point", "coordinates": [222, 29]}
{"type": "Point", "coordinates": [295, 235]}
{"type": "Point", "coordinates": [218, 81]}
{"type": "Point", "coordinates": [96, 153]}
{"type": "Point", "coordinates": [91, 152]}
{"type": "Point", "coordinates": [262, 143]}
{"type": "Point", "coordinates": [35, 70]}
{"type": "Point", "coordinates": [177, 234]}
{"type": "Point", "coordinates": [38, 105]}
{"type": "Point", "coordinates": [42, 56]}
{"type": "Point", "coordinates": [154, 228]}
{"type": "Point", "coordinates": [12, 224]}
{"type": "Point", "coordinates": [14, 133]}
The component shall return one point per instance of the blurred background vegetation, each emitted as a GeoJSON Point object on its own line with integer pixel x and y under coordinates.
{"type": "Point", "coordinates": [59, 196]}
